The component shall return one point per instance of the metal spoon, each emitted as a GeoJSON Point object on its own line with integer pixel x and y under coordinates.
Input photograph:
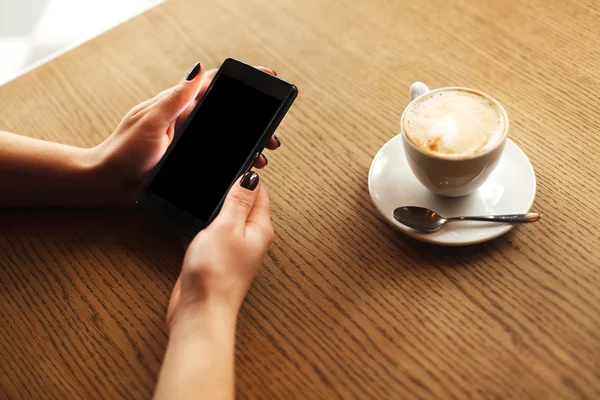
{"type": "Point", "coordinates": [428, 220]}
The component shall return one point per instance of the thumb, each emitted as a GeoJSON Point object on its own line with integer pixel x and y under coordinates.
{"type": "Point", "coordinates": [175, 100]}
{"type": "Point", "coordinates": [240, 201]}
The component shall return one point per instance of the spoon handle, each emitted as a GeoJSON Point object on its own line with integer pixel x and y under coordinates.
{"type": "Point", "coordinates": [512, 218]}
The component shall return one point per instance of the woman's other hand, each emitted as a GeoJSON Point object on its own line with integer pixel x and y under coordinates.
{"type": "Point", "coordinates": [218, 269]}
{"type": "Point", "coordinates": [222, 260]}
{"type": "Point", "coordinates": [142, 137]}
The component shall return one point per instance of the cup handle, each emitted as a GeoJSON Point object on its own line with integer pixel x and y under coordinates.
{"type": "Point", "coordinates": [417, 89]}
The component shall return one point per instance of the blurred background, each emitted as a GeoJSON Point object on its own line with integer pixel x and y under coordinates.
{"type": "Point", "coordinates": [34, 31]}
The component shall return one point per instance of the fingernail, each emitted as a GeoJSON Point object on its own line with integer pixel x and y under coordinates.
{"type": "Point", "coordinates": [277, 140]}
{"type": "Point", "coordinates": [249, 180]}
{"type": "Point", "coordinates": [193, 72]}
{"type": "Point", "coordinates": [274, 73]}
{"type": "Point", "coordinates": [265, 158]}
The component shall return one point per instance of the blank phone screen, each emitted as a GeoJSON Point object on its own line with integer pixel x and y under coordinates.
{"type": "Point", "coordinates": [214, 147]}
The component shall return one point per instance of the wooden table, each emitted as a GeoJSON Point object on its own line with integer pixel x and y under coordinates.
{"type": "Point", "coordinates": [343, 307]}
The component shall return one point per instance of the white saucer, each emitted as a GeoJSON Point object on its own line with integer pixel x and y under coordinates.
{"type": "Point", "coordinates": [510, 189]}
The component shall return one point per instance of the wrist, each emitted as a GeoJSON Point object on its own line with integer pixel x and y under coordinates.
{"type": "Point", "coordinates": [200, 353]}
{"type": "Point", "coordinates": [215, 316]}
{"type": "Point", "coordinates": [111, 189]}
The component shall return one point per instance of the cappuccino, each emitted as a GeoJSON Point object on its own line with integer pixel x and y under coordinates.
{"type": "Point", "coordinates": [454, 123]}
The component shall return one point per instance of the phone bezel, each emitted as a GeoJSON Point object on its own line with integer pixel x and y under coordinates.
{"type": "Point", "coordinates": [253, 77]}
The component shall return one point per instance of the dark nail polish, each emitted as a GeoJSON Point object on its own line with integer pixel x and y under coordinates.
{"type": "Point", "coordinates": [277, 140]}
{"type": "Point", "coordinates": [249, 180]}
{"type": "Point", "coordinates": [265, 158]}
{"type": "Point", "coordinates": [193, 72]}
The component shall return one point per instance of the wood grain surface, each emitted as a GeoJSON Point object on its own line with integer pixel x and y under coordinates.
{"type": "Point", "coordinates": [343, 307]}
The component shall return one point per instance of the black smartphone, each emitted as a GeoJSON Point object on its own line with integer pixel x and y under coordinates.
{"type": "Point", "coordinates": [225, 133]}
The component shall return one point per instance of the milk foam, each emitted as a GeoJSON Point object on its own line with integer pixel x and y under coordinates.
{"type": "Point", "coordinates": [454, 122]}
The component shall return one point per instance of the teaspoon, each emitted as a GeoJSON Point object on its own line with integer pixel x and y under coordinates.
{"type": "Point", "coordinates": [427, 220]}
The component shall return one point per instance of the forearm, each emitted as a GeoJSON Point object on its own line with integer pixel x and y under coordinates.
{"type": "Point", "coordinates": [199, 361]}
{"type": "Point", "coordinates": [39, 173]}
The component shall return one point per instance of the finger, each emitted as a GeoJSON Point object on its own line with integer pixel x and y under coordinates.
{"type": "Point", "coordinates": [171, 131]}
{"type": "Point", "coordinates": [207, 78]}
{"type": "Point", "coordinates": [267, 70]}
{"type": "Point", "coordinates": [260, 217]}
{"type": "Point", "coordinates": [211, 73]}
{"type": "Point", "coordinates": [173, 302]}
{"type": "Point", "coordinates": [176, 100]}
{"type": "Point", "coordinates": [145, 104]}
{"type": "Point", "coordinates": [240, 200]}
{"type": "Point", "coordinates": [274, 143]}
{"type": "Point", "coordinates": [206, 81]}
{"type": "Point", "coordinates": [261, 161]}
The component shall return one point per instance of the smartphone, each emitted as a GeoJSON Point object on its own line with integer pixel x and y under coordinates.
{"type": "Point", "coordinates": [223, 136]}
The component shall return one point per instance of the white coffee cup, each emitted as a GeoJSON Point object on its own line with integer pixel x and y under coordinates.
{"type": "Point", "coordinates": [457, 175]}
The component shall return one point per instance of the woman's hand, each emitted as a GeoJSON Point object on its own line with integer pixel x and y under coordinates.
{"type": "Point", "coordinates": [39, 173]}
{"type": "Point", "coordinates": [144, 134]}
{"type": "Point", "coordinates": [218, 268]}
{"type": "Point", "coordinates": [222, 260]}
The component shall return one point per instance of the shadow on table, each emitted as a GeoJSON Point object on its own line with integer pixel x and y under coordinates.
{"type": "Point", "coordinates": [473, 250]}
{"type": "Point", "coordinates": [144, 241]}
{"type": "Point", "coordinates": [426, 255]}
{"type": "Point", "coordinates": [99, 278]}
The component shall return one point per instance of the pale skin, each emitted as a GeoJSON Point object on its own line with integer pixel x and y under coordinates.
{"type": "Point", "coordinates": [220, 262]}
